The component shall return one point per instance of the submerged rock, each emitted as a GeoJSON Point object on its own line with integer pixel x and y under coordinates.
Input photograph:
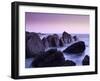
{"type": "Point", "coordinates": [70, 63]}
{"type": "Point", "coordinates": [86, 60]}
{"type": "Point", "coordinates": [75, 48]}
{"type": "Point", "coordinates": [50, 58]}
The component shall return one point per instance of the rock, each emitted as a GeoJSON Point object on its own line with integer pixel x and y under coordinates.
{"type": "Point", "coordinates": [28, 53]}
{"type": "Point", "coordinates": [51, 51]}
{"type": "Point", "coordinates": [53, 40]}
{"type": "Point", "coordinates": [28, 35]}
{"type": "Point", "coordinates": [34, 45]}
{"type": "Point", "coordinates": [45, 42]}
{"type": "Point", "coordinates": [61, 42]}
{"type": "Point", "coordinates": [27, 49]}
{"type": "Point", "coordinates": [49, 38]}
{"type": "Point", "coordinates": [66, 37]}
{"type": "Point", "coordinates": [75, 38]}
{"type": "Point", "coordinates": [70, 63]}
{"type": "Point", "coordinates": [50, 58]}
{"type": "Point", "coordinates": [75, 48]}
{"type": "Point", "coordinates": [56, 40]}
{"type": "Point", "coordinates": [86, 60]}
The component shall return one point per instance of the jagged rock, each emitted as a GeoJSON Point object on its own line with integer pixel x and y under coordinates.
{"type": "Point", "coordinates": [50, 58]}
{"type": "Point", "coordinates": [86, 60]}
{"type": "Point", "coordinates": [70, 63]}
{"type": "Point", "coordinates": [66, 37]}
{"type": "Point", "coordinates": [53, 40]}
{"type": "Point", "coordinates": [34, 45]}
{"type": "Point", "coordinates": [75, 48]}
{"type": "Point", "coordinates": [45, 42]}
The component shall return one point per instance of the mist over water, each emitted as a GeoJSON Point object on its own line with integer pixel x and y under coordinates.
{"type": "Point", "coordinates": [74, 57]}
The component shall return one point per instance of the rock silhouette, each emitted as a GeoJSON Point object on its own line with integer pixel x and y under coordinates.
{"type": "Point", "coordinates": [67, 38]}
{"type": "Point", "coordinates": [75, 48]}
{"type": "Point", "coordinates": [50, 58]}
{"type": "Point", "coordinates": [45, 42]}
{"type": "Point", "coordinates": [86, 60]}
{"type": "Point", "coordinates": [34, 45]}
{"type": "Point", "coordinates": [53, 40]}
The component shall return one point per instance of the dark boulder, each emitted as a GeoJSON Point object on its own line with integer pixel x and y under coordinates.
{"type": "Point", "coordinates": [66, 37]}
{"type": "Point", "coordinates": [34, 45]}
{"type": "Point", "coordinates": [70, 63]}
{"type": "Point", "coordinates": [50, 58]}
{"type": "Point", "coordinates": [75, 48]}
{"type": "Point", "coordinates": [45, 42]}
{"type": "Point", "coordinates": [53, 40]}
{"type": "Point", "coordinates": [86, 60]}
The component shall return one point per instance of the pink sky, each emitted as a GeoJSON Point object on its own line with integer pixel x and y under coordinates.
{"type": "Point", "coordinates": [56, 23]}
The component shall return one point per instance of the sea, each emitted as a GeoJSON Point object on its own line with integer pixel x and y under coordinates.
{"type": "Point", "coordinates": [74, 57]}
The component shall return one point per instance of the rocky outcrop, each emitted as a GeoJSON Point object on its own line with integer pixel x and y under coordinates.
{"type": "Point", "coordinates": [53, 40]}
{"type": "Point", "coordinates": [75, 48]}
{"type": "Point", "coordinates": [49, 39]}
{"type": "Point", "coordinates": [86, 60]}
{"type": "Point", "coordinates": [34, 45]}
{"type": "Point", "coordinates": [45, 42]}
{"type": "Point", "coordinates": [67, 38]}
{"type": "Point", "coordinates": [50, 58]}
{"type": "Point", "coordinates": [28, 35]}
{"type": "Point", "coordinates": [70, 63]}
{"type": "Point", "coordinates": [61, 42]}
{"type": "Point", "coordinates": [56, 39]}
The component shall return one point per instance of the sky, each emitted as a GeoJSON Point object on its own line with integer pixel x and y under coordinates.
{"type": "Point", "coordinates": [56, 23]}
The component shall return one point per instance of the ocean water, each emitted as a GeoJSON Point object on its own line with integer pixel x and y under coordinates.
{"type": "Point", "coordinates": [74, 57]}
